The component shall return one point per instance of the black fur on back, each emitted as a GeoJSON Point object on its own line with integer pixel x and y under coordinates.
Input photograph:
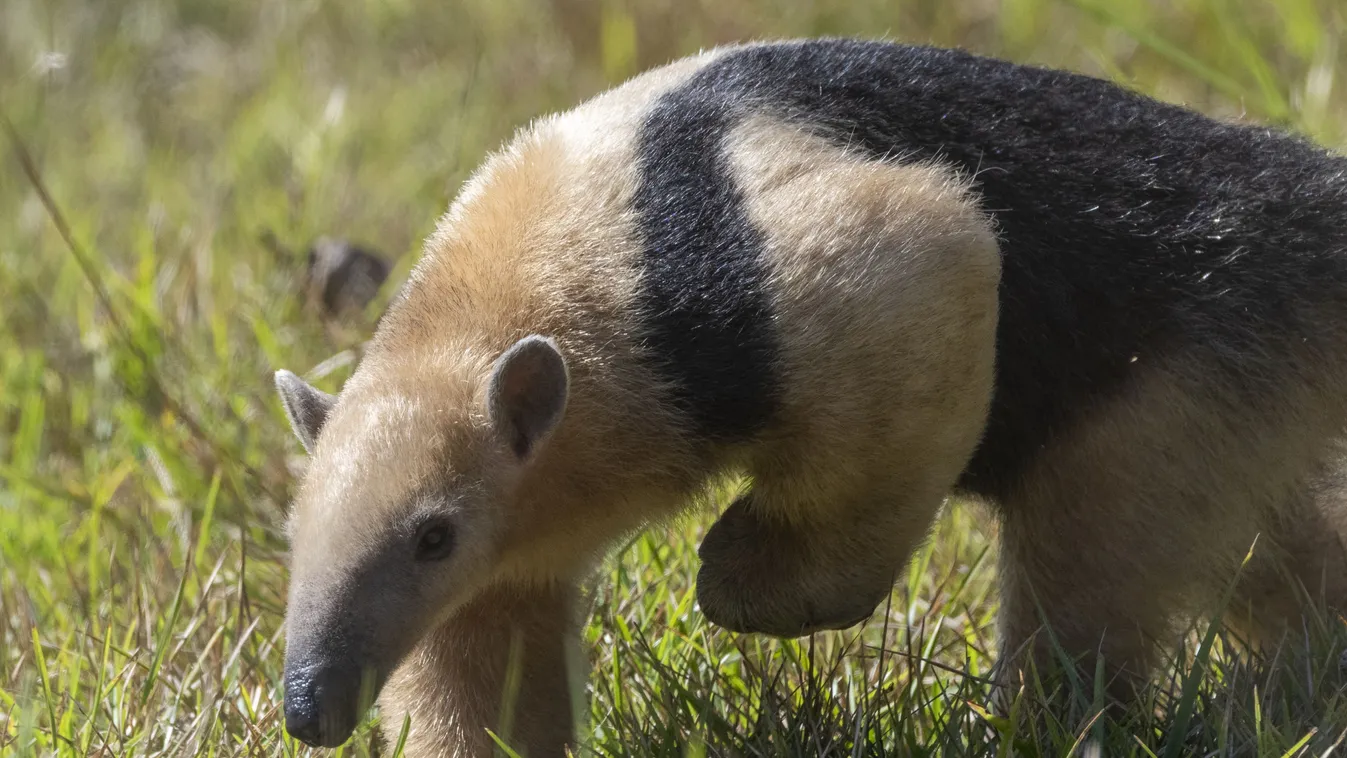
{"type": "Point", "coordinates": [706, 316]}
{"type": "Point", "coordinates": [1130, 229]}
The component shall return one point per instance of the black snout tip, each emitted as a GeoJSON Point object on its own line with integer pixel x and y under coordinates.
{"type": "Point", "coordinates": [311, 728]}
{"type": "Point", "coordinates": [311, 721]}
{"type": "Point", "coordinates": [304, 726]}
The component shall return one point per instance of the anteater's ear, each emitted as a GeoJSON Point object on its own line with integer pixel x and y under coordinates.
{"type": "Point", "coordinates": [527, 393]}
{"type": "Point", "coordinates": [305, 406]}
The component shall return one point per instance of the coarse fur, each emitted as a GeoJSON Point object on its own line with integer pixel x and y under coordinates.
{"type": "Point", "coordinates": [865, 275]}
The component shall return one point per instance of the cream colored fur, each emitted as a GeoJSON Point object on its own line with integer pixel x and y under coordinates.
{"type": "Point", "coordinates": [883, 279]}
{"type": "Point", "coordinates": [1119, 526]}
{"type": "Point", "coordinates": [539, 242]}
{"type": "Point", "coordinates": [886, 290]}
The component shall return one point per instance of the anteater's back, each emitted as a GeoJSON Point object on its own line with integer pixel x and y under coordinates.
{"type": "Point", "coordinates": [1130, 229]}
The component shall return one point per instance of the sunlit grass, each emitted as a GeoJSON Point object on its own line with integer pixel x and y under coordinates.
{"type": "Point", "coordinates": [145, 466]}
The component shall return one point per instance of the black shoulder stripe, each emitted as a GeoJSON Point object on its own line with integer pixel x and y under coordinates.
{"type": "Point", "coordinates": [705, 314]}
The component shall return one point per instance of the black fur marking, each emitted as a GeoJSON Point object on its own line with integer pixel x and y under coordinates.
{"type": "Point", "coordinates": [1129, 228]}
{"type": "Point", "coordinates": [704, 311]}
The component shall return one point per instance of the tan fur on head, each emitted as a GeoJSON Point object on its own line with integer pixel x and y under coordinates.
{"type": "Point", "coordinates": [539, 243]}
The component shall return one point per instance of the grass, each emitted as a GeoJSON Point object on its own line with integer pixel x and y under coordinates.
{"type": "Point", "coordinates": [145, 466]}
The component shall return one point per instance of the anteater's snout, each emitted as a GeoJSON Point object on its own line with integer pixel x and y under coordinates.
{"type": "Point", "coordinates": [320, 705]}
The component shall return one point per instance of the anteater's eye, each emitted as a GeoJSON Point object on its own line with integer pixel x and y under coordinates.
{"type": "Point", "coordinates": [434, 541]}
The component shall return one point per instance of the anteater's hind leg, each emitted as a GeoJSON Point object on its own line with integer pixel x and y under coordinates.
{"type": "Point", "coordinates": [1143, 512]}
{"type": "Point", "coordinates": [1299, 569]}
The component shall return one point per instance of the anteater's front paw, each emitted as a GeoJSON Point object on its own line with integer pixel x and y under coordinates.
{"type": "Point", "coordinates": [771, 578]}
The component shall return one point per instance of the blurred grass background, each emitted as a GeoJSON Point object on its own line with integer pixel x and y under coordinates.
{"type": "Point", "coordinates": [145, 466]}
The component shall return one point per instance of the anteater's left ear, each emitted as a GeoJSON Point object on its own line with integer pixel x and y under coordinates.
{"type": "Point", "coordinates": [527, 393]}
{"type": "Point", "coordinates": [305, 405]}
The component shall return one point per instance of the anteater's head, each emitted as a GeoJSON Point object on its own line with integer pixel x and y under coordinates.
{"type": "Point", "coordinates": [463, 453]}
{"type": "Point", "coordinates": [402, 510]}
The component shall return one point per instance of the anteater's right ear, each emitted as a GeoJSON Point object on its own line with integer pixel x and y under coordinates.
{"type": "Point", "coordinates": [527, 393]}
{"type": "Point", "coordinates": [305, 406]}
